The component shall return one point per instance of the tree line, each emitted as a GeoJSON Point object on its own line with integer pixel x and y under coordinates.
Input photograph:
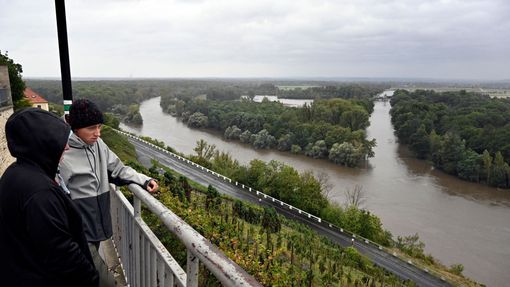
{"type": "Point", "coordinates": [332, 129]}
{"type": "Point", "coordinates": [345, 91]}
{"type": "Point", "coordinates": [463, 134]}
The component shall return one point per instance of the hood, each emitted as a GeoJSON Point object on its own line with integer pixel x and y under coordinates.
{"type": "Point", "coordinates": [76, 142]}
{"type": "Point", "coordinates": [38, 136]}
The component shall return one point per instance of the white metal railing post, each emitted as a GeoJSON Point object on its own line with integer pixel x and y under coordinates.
{"type": "Point", "coordinates": [137, 206]}
{"type": "Point", "coordinates": [192, 268]}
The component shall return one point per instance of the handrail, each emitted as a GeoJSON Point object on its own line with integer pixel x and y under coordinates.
{"type": "Point", "coordinates": [222, 267]}
{"type": "Point", "coordinates": [137, 246]}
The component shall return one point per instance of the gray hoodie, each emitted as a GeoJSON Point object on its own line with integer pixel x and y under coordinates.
{"type": "Point", "coordinates": [87, 171]}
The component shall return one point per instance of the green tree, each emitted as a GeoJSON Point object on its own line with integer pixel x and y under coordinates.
{"type": "Point", "coordinates": [499, 172]}
{"type": "Point", "coordinates": [310, 194]}
{"type": "Point", "coordinates": [270, 223]}
{"type": "Point", "coordinates": [284, 142]}
{"type": "Point", "coordinates": [419, 143]}
{"type": "Point", "coordinates": [111, 120]}
{"type": "Point", "coordinates": [245, 137]}
{"type": "Point", "coordinates": [410, 244]}
{"type": "Point", "coordinates": [356, 119]}
{"type": "Point", "coordinates": [198, 120]}
{"type": "Point", "coordinates": [337, 134]}
{"type": "Point", "coordinates": [468, 167]}
{"type": "Point", "coordinates": [333, 213]}
{"type": "Point", "coordinates": [212, 199]}
{"type": "Point", "coordinates": [257, 174]}
{"type": "Point", "coordinates": [232, 132]}
{"type": "Point", "coordinates": [204, 151]}
{"type": "Point", "coordinates": [283, 184]}
{"type": "Point", "coordinates": [264, 140]}
{"type": "Point", "coordinates": [485, 172]}
{"type": "Point", "coordinates": [452, 150]}
{"type": "Point", "coordinates": [168, 178]}
{"type": "Point", "coordinates": [16, 81]}
{"type": "Point", "coordinates": [133, 115]}
{"type": "Point", "coordinates": [296, 149]}
{"type": "Point", "coordinates": [318, 150]}
{"type": "Point", "coordinates": [223, 163]}
{"type": "Point", "coordinates": [186, 187]}
{"type": "Point", "coordinates": [368, 224]}
{"type": "Point", "coordinates": [345, 153]}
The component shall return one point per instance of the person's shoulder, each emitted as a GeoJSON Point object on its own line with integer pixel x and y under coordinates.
{"type": "Point", "coordinates": [71, 157]}
{"type": "Point", "coordinates": [50, 195]}
{"type": "Point", "coordinates": [101, 145]}
{"type": "Point", "coordinates": [18, 173]}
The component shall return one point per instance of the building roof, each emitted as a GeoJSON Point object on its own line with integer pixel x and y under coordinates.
{"type": "Point", "coordinates": [33, 97]}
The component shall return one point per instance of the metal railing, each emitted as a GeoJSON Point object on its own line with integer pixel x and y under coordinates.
{"type": "Point", "coordinates": [146, 262]}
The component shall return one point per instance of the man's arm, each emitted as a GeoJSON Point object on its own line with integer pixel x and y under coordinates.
{"type": "Point", "coordinates": [122, 174]}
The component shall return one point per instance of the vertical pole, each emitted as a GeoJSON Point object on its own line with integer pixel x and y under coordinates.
{"type": "Point", "coordinates": [65, 69]}
{"type": "Point", "coordinates": [192, 270]}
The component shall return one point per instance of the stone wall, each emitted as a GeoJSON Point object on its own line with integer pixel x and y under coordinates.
{"type": "Point", "coordinates": [5, 112]}
{"type": "Point", "coordinates": [6, 157]}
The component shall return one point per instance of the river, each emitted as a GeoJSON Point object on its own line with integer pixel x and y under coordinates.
{"type": "Point", "coordinates": [459, 222]}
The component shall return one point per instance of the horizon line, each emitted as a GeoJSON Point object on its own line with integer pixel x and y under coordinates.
{"type": "Point", "coordinates": [282, 78]}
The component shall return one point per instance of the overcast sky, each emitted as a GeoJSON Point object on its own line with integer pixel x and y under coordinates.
{"type": "Point", "coordinates": [441, 39]}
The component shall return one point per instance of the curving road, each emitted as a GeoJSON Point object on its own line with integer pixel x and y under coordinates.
{"type": "Point", "coordinates": [405, 270]}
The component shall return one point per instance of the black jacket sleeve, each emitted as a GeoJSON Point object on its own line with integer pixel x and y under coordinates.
{"type": "Point", "coordinates": [48, 225]}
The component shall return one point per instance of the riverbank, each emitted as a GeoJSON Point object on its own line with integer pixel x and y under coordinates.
{"type": "Point", "coordinates": [459, 222]}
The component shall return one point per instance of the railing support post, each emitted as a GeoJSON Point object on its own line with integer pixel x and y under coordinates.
{"type": "Point", "coordinates": [137, 208]}
{"type": "Point", "coordinates": [192, 270]}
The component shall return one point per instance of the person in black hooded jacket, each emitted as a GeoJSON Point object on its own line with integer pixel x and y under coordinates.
{"type": "Point", "coordinates": [42, 242]}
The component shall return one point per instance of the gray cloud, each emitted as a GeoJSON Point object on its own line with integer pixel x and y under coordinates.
{"type": "Point", "coordinates": [374, 38]}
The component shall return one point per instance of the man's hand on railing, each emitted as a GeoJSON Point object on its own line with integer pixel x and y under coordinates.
{"type": "Point", "coordinates": [152, 186]}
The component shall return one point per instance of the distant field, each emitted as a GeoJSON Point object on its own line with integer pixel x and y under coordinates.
{"type": "Point", "coordinates": [296, 87]}
{"type": "Point", "coordinates": [496, 93]}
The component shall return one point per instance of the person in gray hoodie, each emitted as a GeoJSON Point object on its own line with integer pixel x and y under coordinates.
{"type": "Point", "coordinates": [89, 166]}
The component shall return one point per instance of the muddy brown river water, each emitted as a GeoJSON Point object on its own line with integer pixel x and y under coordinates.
{"type": "Point", "coordinates": [459, 221]}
